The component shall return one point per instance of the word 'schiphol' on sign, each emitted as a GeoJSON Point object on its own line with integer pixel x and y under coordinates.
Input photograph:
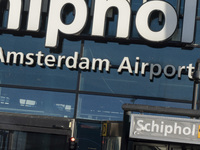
{"type": "Point", "coordinates": [165, 129]}
{"type": "Point", "coordinates": [55, 25]}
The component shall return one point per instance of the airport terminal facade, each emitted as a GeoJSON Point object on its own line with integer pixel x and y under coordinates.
{"type": "Point", "coordinates": [83, 59]}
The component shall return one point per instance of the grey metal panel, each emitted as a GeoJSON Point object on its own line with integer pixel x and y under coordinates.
{"type": "Point", "coordinates": [114, 128]}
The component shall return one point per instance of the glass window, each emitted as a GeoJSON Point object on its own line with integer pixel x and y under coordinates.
{"type": "Point", "coordinates": [89, 135]}
{"type": "Point", "coordinates": [198, 10]}
{"type": "Point", "coordinates": [40, 66]}
{"type": "Point", "coordinates": [197, 36]}
{"type": "Point", "coordinates": [172, 84]}
{"type": "Point", "coordinates": [37, 102]}
{"type": "Point", "coordinates": [101, 107]}
{"type": "Point", "coordinates": [136, 85]}
{"type": "Point", "coordinates": [115, 53]}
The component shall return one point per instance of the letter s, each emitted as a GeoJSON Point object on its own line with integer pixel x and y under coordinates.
{"type": "Point", "coordinates": [140, 125]}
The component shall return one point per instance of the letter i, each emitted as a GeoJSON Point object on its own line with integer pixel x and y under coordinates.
{"type": "Point", "coordinates": [137, 65]}
{"type": "Point", "coordinates": [161, 127]}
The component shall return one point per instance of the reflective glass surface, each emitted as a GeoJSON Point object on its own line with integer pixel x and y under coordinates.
{"type": "Point", "coordinates": [124, 82]}
{"type": "Point", "coordinates": [171, 81]}
{"type": "Point", "coordinates": [89, 135]}
{"type": "Point", "coordinates": [101, 107]}
{"type": "Point", "coordinates": [37, 102]}
{"type": "Point", "coordinates": [95, 107]}
{"type": "Point", "coordinates": [38, 74]}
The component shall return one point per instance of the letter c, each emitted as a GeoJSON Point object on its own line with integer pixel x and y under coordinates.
{"type": "Point", "coordinates": [146, 127]}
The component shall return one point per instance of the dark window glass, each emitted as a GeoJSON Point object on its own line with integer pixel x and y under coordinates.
{"type": "Point", "coordinates": [15, 140]}
{"type": "Point", "coordinates": [89, 135]}
{"type": "Point", "coordinates": [197, 36]}
{"type": "Point", "coordinates": [198, 10]}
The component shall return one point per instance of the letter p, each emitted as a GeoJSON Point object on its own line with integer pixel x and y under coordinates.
{"type": "Point", "coordinates": [153, 73]}
{"type": "Point", "coordinates": [168, 130]}
{"type": "Point", "coordinates": [55, 24]}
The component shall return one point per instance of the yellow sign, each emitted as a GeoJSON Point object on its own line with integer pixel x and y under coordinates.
{"type": "Point", "coordinates": [104, 129]}
{"type": "Point", "coordinates": [199, 132]}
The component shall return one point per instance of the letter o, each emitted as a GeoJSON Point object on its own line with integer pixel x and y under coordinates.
{"type": "Point", "coordinates": [169, 74]}
{"type": "Point", "coordinates": [186, 131]}
{"type": "Point", "coordinates": [142, 19]}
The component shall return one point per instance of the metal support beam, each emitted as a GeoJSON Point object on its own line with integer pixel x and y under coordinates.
{"type": "Point", "coordinates": [195, 95]}
{"type": "Point", "coordinates": [196, 78]}
{"type": "Point", "coordinates": [125, 132]}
